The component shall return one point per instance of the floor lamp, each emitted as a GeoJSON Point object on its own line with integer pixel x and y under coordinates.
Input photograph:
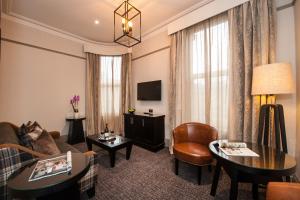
{"type": "Point", "coordinates": [270, 80]}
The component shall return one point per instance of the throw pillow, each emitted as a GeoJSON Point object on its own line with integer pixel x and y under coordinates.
{"type": "Point", "coordinates": [34, 131]}
{"type": "Point", "coordinates": [25, 139]}
{"type": "Point", "coordinates": [45, 144]}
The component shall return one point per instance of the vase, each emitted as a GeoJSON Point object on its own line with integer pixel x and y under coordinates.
{"type": "Point", "coordinates": [76, 115]}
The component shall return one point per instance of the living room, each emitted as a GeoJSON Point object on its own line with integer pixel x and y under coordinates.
{"type": "Point", "coordinates": [75, 67]}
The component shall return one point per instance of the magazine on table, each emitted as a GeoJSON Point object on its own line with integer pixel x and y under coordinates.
{"type": "Point", "coordinates": [52, 166]}
{"type": "Point", "coordinates": [236, 149]}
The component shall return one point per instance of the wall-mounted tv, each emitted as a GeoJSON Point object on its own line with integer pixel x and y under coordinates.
{"type": "Point", "coordinates": [149, 91]}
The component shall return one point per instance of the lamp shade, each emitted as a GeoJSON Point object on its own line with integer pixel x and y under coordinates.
{"type": "Point", "coordinates": [274, 78]}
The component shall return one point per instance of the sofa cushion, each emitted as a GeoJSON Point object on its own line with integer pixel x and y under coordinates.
{"type": "Point", "coordinates": [45, 144]}
{"type": "Point", "coordinates": [65, 147]}
{"type": "Point", "coordinates": [8, 134]}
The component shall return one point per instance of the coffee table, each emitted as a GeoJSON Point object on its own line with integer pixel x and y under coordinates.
{"type": "Point", "coordinates": [271, 165]}
{"type": "Point", "coordinates": [111, 147]}
{"type": "Point", "coordinates": [53, 187]}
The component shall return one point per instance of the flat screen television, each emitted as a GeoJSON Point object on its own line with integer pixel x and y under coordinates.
{"type": "Point", "coordinates": [149, 91]}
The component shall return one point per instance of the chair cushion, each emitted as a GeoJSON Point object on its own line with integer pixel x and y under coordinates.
{"type": "Point", "coordinates": [193, 153]}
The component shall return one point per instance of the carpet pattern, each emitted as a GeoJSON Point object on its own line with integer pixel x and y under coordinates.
{"type": "Point", "coordinates": [149, 175]}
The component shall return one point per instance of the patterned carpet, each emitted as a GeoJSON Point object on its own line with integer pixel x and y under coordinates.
{"type": "Point", "coordinates": [150, 175]}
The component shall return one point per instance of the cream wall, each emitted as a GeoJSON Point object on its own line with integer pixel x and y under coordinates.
{"type": "Point", "coordinates": [286, 53]}
{"type": "Point", "coordinates": [36, 84]}
{"type": "Point", "coordinates": [297, 23]}
{"type": "Point", "coordinates": [149, 68]}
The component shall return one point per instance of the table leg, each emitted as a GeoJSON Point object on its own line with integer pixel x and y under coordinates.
{"type": "Point", "coordinates": [176, 166]}
{"type": "Point", "coordinates": [128, 151]}
{"type": "Point", "coordinates": [89, 144]}
{"type": "Point", "coordinates": [112, 155]}
{"type": "Point", "coordinates": [216, 179]}
{"type": "Point", "coordinates": [234, 186]}
{"type": "Point", "coordinates": [255, 191]}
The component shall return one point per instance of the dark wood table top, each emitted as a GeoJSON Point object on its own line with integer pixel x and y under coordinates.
{"type": "Point", "coordinates": [269, 161]}
{"type": "Point", "coordinates": [20, 186]}
{"type": "Point", "coordinates": [119, 141]}
{"type": "Point", "coordinates": [75, 119]}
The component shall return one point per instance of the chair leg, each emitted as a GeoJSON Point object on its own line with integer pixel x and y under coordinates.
{"type": "Point", "coordinates": [176, 166]}
{"type": "Point", "coordinates": [199, 174]}
{"type": "Point", "coordinates": [91, 192]}
{"type": "Point", "coordinates": [209, 168]}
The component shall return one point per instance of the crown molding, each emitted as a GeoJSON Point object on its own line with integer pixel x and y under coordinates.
{"type": "Point", "coordinates": [49, 29]}
{"type": "Point", "coordinates": [67, 35]}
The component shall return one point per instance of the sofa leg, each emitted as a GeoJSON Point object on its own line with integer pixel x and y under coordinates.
{"type": "Point", "coordinates": [199, 174]}
{"type": "Point", "coordinates": [91, 192]}
{"type": "Point", "coordinates": [176, 166]}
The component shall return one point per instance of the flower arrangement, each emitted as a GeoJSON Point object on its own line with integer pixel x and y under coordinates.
{"type": "Point", "coordinates": [74, 102]}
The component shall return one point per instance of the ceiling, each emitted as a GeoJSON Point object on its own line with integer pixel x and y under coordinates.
{"type": "Point", "coordinates": [78, 16]}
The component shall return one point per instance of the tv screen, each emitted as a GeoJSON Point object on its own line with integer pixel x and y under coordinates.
{"type": "Point", "coordinates": [149, 91]}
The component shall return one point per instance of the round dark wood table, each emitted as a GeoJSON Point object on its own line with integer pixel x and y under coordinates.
{"type": "Point", "coordinates": [271, 165]}
{"type": "Point", "coordinates": [54, 187]}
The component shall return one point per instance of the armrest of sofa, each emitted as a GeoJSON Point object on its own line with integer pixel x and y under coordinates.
{"type": "Point", "coordinates": [22, 148]}
{"type": "Point", "coordinates": [55, 134]}
{"type": "Point", "coordinates": [283, 190]}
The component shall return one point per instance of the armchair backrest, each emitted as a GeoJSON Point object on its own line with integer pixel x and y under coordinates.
{"type": "Point", "coordinates": [195, 132]}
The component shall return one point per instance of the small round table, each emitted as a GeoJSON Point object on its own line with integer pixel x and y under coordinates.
{"type": "Point", "coordinates": [271, 165]}
{"type": "Point", "coordinates": [53, 187]}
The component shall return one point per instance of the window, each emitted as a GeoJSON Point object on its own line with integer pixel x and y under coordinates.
{"type": "Point", "coordinates": [110, 86]}
{"type": "Point", "coordinates": [210, 82]}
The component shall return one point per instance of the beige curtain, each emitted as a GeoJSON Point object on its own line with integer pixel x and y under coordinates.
{"type": "Point", "coordinates": [92, 94]}
{"type": "Point", "coordinates": [199, 75]}
{"type": "Point", "coordinates": [126, 87]}
{"type": "Point", "coordinates": [252, 28]}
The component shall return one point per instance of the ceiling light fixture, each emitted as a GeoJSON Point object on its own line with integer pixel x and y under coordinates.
{"type": "Point", "coordinates": [96, 22]}
{"type": "Point", "coordinates": [127, 25]}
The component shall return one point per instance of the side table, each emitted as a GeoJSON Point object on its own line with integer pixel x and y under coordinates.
{"type": "Point", "coordinates": [60, 186]}
{"type": "Point", "coordinates": [76, 134]}
{"type": "Point", "coordinates": [271, 165]}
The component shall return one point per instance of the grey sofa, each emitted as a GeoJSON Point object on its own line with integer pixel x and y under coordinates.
{"type": "Point", "coordinates": [13, 156]}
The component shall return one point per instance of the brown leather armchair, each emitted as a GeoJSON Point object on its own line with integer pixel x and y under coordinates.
{"type": "Point", "coordinates": [191, 142]}
{"type": "Point", "coordinates": [282, 191]}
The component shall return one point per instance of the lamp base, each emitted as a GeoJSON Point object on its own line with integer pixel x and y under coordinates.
{"type": "Point", "coordinates": [265, 124]}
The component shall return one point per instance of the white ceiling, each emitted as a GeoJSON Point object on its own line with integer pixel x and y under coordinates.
{"type": "Point", "coordinates": [77, 16]}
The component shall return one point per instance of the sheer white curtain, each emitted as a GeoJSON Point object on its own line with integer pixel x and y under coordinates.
{"type": "Point", "coordinates": [110, 92]}
{"type": "Point", "coordinates": [209, 73]}
{"type": "Point", "coordinates": [199, 79]}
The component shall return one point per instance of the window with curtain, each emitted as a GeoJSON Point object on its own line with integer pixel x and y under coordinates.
{"type": "Point", "coordinates": [208, 43]}
{"type": "Point", "coordinates": [110, 90]}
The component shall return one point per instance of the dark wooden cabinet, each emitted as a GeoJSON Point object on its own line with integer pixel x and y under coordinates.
{"type": "Point", "coordinates": [145, 130]}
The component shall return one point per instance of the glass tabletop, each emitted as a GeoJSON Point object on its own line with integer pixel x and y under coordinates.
{"type": "Point", "coordinates": [269, 158]}
{"type": "Point", "coordinates": [118, 141]}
